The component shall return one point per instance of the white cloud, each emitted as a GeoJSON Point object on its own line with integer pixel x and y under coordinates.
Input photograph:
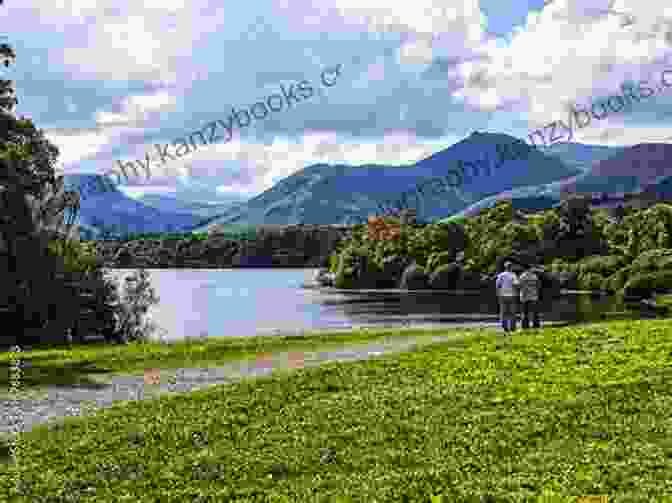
{"type": "Point", "coordinates": [564, 55]}
{"type": "Point", "coordinates": [124, 40]}
{"type": "Point", "coordinates": [73, 148]}
{"type": "Point", "coordinates": [137, 109]}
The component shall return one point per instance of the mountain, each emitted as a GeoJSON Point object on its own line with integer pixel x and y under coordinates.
{"type": "Point", "coordinates": [580, 156]}
{"type": "Point", "coordinates": [632, 170]}
{"type": "Point", "coordinates": [645, 167]}
{"type": "Point", "coordinates": [325, 194]}
{"type": "Point", "coordinates": [119, 213]}
{"type": "Point", "coordinates": [172, 204]}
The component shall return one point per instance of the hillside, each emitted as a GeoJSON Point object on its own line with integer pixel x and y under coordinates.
{"type": "Point", "coordinates": [326, 194]}
{"type": "Point", "coordinates": [117, 212]}
{"type": "Point", "coordinates": [580, 156]}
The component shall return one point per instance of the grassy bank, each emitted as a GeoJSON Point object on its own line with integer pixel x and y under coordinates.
{"type": "Point", "coordinates": [82, 364]}
{"type": "Point", "coordinates": [550, 415]}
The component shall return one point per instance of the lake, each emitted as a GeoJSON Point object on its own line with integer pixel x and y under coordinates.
{"type": "Point", "coordinates": [248, 302]}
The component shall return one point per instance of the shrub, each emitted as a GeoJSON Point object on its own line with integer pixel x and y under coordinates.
{"type": "Point", "coordinates": [350, 263]}
{"type": "Point", "coordinates": [653, 260]}
{"type": "Point", "coordinates": [590, 281]}
{"type": "Point", "coordinates": [77, 257]}
{"type": "Point", "coordinates": [333, 262]}
{"type": "Point", "coordinates": [617, 281]}
{"type": "Point", "coordinates": [439, 259]}
{"type": "Point", "coordinates": [644, 284]}
{"type": "Point", "coordinates": [600, 264]}
{"type": "Point", "coordinates": [560, 266]}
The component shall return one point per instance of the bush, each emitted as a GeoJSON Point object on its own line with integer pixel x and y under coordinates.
{"type": "Point", "coordinates": [333, 262]}
{"type": "Point", "coordinates": [562, 267]}
{"type": "Point", "coordinates": [590, 281]}
{"type": "Point", "coordinates": [617, 281]}
{"type": "Point", "coordinates": [352, 260]}
{"type": "Point", "coordinates": [439, 259]}
{"type": "Point", "coordinates": [653, 260]}
{"type": "Point", "coordinates": [644, 284]}
{"type": "Point", "coordinates": [600, 264]}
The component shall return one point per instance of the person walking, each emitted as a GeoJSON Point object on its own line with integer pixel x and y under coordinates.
{"type": "Point", "coordinates": [506, 286]}
{"type": "Point", "coordinates": [530, 285]}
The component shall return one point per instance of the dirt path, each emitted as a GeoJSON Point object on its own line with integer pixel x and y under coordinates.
{"type": "Point", "coordinates": [54, 402]}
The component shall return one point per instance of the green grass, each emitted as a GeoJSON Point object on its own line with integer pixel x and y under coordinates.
{"type": "Point", "coordinates": [92, 363]}
{"type": "Point", "coordinates": [550, 415]}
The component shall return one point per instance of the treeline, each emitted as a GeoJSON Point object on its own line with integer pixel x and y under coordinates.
{"type": "Point", "coordinates": [627, 251]}
{"type": "Point", "coordinates": [249, 232]}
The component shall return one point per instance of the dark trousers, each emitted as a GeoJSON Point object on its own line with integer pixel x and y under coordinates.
{"type": "Point", "coordinates": [530, 309]}
{"type": "Point", "coordinates": [507, 313]}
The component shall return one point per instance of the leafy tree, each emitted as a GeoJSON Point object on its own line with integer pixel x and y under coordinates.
{"type": "Point", "coordinates": [37, 217]}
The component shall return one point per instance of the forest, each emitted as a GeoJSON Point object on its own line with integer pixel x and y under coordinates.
{"type": "Point", "coordinates": [627, 251]}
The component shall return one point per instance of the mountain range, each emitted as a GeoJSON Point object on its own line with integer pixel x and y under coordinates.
{"type": "Point", "coordinates": [343, 194]}
{"type": "Point", "coordinates": [114, 211]}
{"type": "Point", "coordinates": [641, 168]}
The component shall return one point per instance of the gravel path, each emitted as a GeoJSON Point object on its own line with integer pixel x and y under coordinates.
{"type": "Point", "coordinates": [54, 402]}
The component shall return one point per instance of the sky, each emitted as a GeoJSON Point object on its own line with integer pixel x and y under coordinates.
{"type": "Point", "coordinates": [109, 80]}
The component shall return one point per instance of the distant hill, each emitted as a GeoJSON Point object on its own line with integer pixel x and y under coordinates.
{"type": "Point", "coordinates": [174, 204]}
{"type": "Point", "coordinates": [335, 194]}
{"type": "Point", "coordinates": [632, 170]}
{"type": "Point", "coordinates": [580, 156]}
{"type": "Point", "coordinates": [644, 169]}
{"type": "Point", "coordinates": [121, 214]}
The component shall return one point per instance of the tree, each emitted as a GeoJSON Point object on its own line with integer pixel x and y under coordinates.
{"type": "Point", "coordinates": [33, 210]}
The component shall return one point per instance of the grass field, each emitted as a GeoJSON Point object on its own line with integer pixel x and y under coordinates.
{"type": "Point", "coordinates": [557, 414]}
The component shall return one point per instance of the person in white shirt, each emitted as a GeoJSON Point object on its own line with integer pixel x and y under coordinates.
{"type": "Point", "coordinates": [530, 285]}
{"type": "Point", "coordinates": [507, 293]}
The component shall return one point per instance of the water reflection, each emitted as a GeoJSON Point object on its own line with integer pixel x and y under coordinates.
{"type": "Point", "coordinates": [247, 302]}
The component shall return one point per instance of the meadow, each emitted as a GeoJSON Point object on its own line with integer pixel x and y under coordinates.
{"type": "Point", "coordinates": [555, 414]}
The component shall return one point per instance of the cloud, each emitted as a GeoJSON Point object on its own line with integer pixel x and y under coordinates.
{"type": "Point", "coordinates": [137, 109]}
{"type": "Point", "coordinates": [567, 53]}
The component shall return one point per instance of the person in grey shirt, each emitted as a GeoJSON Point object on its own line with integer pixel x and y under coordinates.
{"type": "Point", "coordinates": [530, 285]}
{"type": "Point", "coordinates": [507, 286]}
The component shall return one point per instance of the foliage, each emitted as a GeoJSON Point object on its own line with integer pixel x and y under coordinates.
{"type": "Point", "coordinates": [644, 284]}
{"type": "Point", "coordinates": [34, 210]}
{"type": "Point", "coordinates": [168, 236]}
{"type": "Point", "coordinates": [77, 256]}
{"type": "Point", "coordinates": [333, 262]}
{"type": "Point", "coordinates": [138, 296]}
{"type": "Point", "coordinates": [385, 237]}
{"type": "Point", "coordinates": [439, 259]}
{"type": "Point", "coordinates": [641, 230]}
{"type": "Point", "coordinates": [590, 281]}
{"type": "Point", "coordinates": [600, 264]}
{"type": "Point", "coordinates": [495, 233]}
{"type": "Point", "coordinates": [653, 260]}
{"type": "Point", "coordinates": [617, 281]}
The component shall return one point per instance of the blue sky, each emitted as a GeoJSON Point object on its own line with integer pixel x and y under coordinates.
{"type": "Point", "coordinates": [107, 79]}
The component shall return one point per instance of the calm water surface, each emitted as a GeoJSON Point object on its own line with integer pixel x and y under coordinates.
{"type": "Point", "coordinates": [248, 302]}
